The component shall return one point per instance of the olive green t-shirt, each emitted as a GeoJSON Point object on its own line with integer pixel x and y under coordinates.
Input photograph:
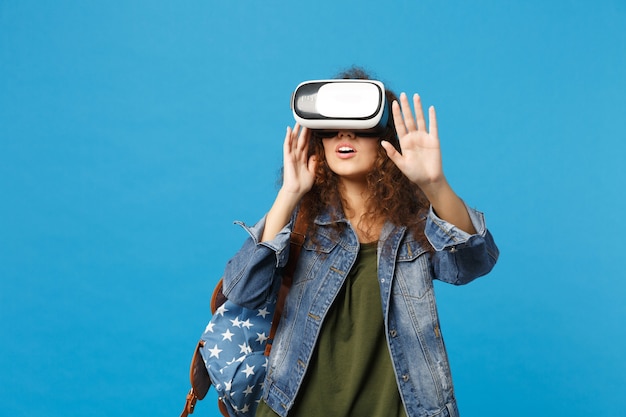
{"type": "Point", "coordinates": [350, 373]}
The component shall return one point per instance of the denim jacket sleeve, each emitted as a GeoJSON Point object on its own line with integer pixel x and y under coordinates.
{"type": "Point", "coordinates": [460, 257]}
{"type": "Point", "coordinates": [254, 273]}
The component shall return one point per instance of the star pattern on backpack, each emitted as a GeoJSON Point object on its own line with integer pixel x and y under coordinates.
{"type": "Point", "coordinates": [235, 341]}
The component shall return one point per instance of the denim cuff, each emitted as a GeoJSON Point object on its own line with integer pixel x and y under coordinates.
{"type": "Point", "coordinates": [277, 245]}
{"type": "Point", "coordinates": [442, 234]}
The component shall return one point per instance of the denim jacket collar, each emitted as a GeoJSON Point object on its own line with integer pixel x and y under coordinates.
{"type": "Point", "coordinates": [330, 216]}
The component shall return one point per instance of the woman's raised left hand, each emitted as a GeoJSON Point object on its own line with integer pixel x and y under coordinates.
{"type": "Point", "coordinates": [420, 159]}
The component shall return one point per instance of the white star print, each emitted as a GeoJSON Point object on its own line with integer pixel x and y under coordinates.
{"type": "Point", "coordinates": [261, 338]}
{"type": "Point", "coordinates": [263, 312]}
{"type": "Point", "coordinates": [248, 390]}
{"type": "Point", "coordinates": [221, 310]}
{"type": "Point", "coordinates": [248, 371]}
{"type": "Point", "coordinates": [215, 352]}
{"type": "Point", "coordinates": [226, 340]}
{"type": "Point", "coordinates": [228, 335]}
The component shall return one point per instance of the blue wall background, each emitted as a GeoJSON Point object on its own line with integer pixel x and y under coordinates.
{"type": "Point", "coordinates": [132, 134]}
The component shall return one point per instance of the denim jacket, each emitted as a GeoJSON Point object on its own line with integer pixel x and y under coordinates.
{"type": "Point", "coordinates": [405, 273]}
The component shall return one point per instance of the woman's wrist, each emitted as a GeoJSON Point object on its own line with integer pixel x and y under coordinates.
{"type": "Point", "coordinates": [437, 191]}
{"type": "Point", "coordinates": [280, 213]}
{"type": "Point", "coordinates": [289, 197]}
{"type": "Point", "coordinates": [448, 206]}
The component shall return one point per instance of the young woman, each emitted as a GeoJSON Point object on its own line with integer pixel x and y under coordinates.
{"type": "Point", "coordinates": [360, 334]}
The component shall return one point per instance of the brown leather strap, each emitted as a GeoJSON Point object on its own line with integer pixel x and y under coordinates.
{"type": "Point", "coordinates": [200, 381]}
{"type": "Point", "coordinates": [222, 408]}
{"type": "Point", "coordinates": [296, 240]}
{"type": "Point", "coordinates": [218, 298]}
{"type": "Point", "coordinates": [198, 373]}
{"type": "Point", "coordinates": [190, 404]}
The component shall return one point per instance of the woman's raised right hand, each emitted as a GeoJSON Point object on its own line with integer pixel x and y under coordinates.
{"type": "Point", "coordinates": [298, 179]}
{"type": "Point", "coordinates": [298, 167]}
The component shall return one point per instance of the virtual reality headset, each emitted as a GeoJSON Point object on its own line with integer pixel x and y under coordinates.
{"type": "Point", "coordinates": [357, 105]}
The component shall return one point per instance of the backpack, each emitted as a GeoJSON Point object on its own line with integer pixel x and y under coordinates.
{"type": "Point", "coordinates": [233, 351]}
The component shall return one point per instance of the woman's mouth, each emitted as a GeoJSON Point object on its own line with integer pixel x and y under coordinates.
{"type": "Point", "coordinates": [345, 151]}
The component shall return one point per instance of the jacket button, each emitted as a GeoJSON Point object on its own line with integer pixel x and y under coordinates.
{"type": "Point", "coordinates": [405, 377]}
{"type": "Point", "coordinates": [393, 333]}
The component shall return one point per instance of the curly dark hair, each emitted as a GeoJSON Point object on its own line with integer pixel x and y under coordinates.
{"type": "Point", "coordinates": [392, 196]}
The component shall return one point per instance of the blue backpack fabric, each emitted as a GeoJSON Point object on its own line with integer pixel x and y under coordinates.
{"type": "Point", "coordinates": [234, 355]}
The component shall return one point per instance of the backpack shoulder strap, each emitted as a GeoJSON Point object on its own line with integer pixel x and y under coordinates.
{"type": "Point", "coordinates": [218, 298]}
{"type": "Point", "coordinates": [296, 240]}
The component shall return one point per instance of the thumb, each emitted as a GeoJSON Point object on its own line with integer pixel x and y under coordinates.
{"type": "Point", "coordinates": [392, 152]}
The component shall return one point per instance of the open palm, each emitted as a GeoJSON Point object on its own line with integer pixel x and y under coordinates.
{"type": "Point", "coordinates": [420, 159]}
{"type": "Point", "coordinates": [299, 168]}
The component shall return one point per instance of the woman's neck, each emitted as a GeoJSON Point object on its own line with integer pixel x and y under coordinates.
{"type": "Point", "coordinates": [355, 196]}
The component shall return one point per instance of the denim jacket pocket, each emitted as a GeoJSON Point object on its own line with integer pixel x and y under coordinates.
{"type": "Point", "coordinates": [321, 243]}
{"type": "Point", "coordinates": [413, 275]}
{"type": "Point", "coordinates": [313, 253]}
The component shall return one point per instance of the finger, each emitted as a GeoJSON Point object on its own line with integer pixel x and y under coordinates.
{"type": "Point", "coordinates": [293, 141]}
{"type": "Point", "coordinates": [392, 153]}
{"type": "Point", "coordinates": [287, 141]}
{"type": "Point", "coordinates": [296, 130]}
{"type": "Point", "coordinates": [419, 113]}
{"type": "Point", "coordinates": [398, 120]}
{"type": "Point", "coordinates": [303, 140]}
{"type": "Point", "coordinates": [409, 121]}
{"type": "Point", "coordinates": [432, 122]}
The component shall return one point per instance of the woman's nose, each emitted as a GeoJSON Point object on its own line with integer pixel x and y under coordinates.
{"type": "Point", "coordinates": [346, 133]}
